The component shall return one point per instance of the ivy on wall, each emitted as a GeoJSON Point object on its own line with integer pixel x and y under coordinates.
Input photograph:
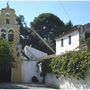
{"type": "Point", "coordinates": [72, 64]}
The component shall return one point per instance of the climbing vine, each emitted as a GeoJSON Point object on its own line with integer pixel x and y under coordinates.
{"type": "Point", "coordinates": [74, 63]}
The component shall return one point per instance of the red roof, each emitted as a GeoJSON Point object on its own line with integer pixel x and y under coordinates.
{"type": "Point", "coordinates": [65, 33]}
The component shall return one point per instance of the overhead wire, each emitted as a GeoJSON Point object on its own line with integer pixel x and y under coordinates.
{"type": "Point", "coordinates": [43, 40]}
{"type": "Point", "coordinates": [60, 3]}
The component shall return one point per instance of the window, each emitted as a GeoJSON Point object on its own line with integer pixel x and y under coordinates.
{"type": "Point", "coordinates": [3, 30]}
{"type": "Point", "coordinates": [69, 40]}
{"type": "Point", "coordinates": [61, 42]}
{"type": "Point", "coordinates": [7, 14]}
{"type": "Point", "coordinates": [11, 35]}
{"type": "Point", "coordinates": [3, 33]}
{"type": "Point", "coordinates": [7, 21]}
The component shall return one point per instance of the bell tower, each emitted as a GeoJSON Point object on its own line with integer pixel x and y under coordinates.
{"type": "Point", "coordinates": [10, 30]}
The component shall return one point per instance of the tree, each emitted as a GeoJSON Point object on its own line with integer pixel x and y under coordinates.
{"type": "Point", "coordinates": [48, 26]}
{"type": "Point", "coordinates": [21, 21]}
{"type": "Point", "coordinates": [23, 30]}
{"type": "Point", "coordinates": [68, 26]}
{"type": "Point", "coordinates": [6, 61]}
{"type": "Point", "coordinates": [6, 57]}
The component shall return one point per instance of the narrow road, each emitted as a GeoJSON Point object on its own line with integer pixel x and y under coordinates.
{"type": "Point", "coordinates": [24, 86]}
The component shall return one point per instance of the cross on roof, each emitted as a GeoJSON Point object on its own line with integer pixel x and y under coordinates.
{"type": "Point", "coordinates": [7, 4]}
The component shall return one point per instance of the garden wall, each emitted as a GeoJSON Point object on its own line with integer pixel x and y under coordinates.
{"type": "Point", "coordinates": [68, 83]}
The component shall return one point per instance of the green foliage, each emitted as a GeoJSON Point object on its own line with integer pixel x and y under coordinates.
{"type": "Point", "coordinates": [82, 40]}
{"type": "Point", "coordinates": [68, 26]}
{"type": "Point", "coordinates": [6, 57]}
{"type": "Point", "coordinates": [72, 64]}
{"type": "Point", "coordinates": [88, 42]}
{"type": "Point", "coordinates": [48, 26]}
{"type": "Point", "coordinates": [46, 22]}
{"type": "Point", "coordinates": [24, 30]}
{"type": "Point", "coordinates": [46, 66]}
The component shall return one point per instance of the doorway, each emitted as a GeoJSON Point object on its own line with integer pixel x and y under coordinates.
{"type": "Point", "coordinates": [5, 74]}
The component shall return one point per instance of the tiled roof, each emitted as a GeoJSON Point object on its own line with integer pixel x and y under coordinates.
{"type": "Point", "coordinates": [65, 33]}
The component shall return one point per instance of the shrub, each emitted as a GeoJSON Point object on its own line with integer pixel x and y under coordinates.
{"type": "Point", "coordinates": [74, 63]}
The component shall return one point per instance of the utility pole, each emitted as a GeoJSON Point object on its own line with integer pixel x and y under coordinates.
{"type": "Point", "coordinates": [43, 40]}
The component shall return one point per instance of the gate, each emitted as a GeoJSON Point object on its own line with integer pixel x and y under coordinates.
{"type": "Point", "coordinates": [5, 74]}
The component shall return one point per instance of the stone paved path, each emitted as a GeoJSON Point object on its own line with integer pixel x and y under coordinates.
{"type": "Point", "coordinates": [24, 86]}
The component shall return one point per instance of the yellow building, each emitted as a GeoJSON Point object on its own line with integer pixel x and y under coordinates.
{"type": "Point", "coordinates": [11, 31]}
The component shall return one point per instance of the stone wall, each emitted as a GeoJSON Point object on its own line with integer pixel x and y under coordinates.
{"type": "Point", "coordinates": [68, 83]}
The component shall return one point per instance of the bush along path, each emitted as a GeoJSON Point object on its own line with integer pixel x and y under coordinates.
{"type": "Point", "coordinates": [72, 64]}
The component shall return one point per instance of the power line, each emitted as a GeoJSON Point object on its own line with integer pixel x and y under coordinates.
{"type": "Point", "coordinates": [65, 10]}
{"type": "Point", "coordinates": [43, 40]}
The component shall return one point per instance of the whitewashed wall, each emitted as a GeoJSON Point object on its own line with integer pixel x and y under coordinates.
{"type": "Point", "coordinates": [29, 69]}
{"type": "Point", "coordinates": [50, 80]}
{"type": "Point", "coordinates": [65, 83]}
{"type": "Point", "coordinates": [67, 47]}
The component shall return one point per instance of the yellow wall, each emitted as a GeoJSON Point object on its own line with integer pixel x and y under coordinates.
{"type": "Point", "coordinates": [16, 74]}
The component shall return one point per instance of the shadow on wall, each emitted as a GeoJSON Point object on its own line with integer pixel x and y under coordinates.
{"type": "Point", "coordinates": [68, 83]}
{"type": "Point", "coordinates": [72, 83]}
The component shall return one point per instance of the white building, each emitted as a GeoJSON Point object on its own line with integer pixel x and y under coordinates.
{"type": "Point", "coordinates": [29, 65]}
{"type": "Point", "coordinates": [68, 41]}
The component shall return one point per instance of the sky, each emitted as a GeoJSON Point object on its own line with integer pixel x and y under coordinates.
{"type": "Point", "coordinates": [76, 11]}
